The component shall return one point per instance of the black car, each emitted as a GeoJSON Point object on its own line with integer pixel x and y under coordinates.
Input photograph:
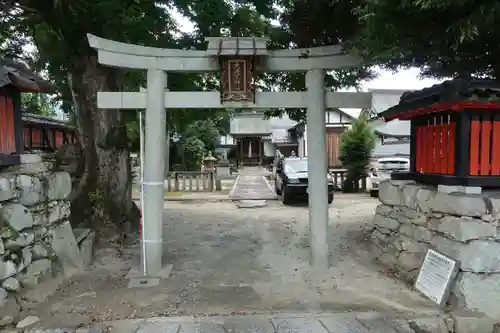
{"type": "Point", "coordinates": [291, 180]}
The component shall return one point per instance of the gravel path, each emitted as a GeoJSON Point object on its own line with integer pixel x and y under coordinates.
{"type": "Point", "coordinates": [238, 261]}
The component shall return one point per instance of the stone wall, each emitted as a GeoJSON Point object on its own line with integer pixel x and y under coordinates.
{"type": "Point", "coordinates": [412, 218]}
{"type": "Point", "coordinates": [36, 238]}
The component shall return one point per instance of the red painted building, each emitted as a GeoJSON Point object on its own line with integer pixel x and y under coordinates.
{"type": "Point", "coordinates": [455, 133]}
{"type": "Point", "coordinates": [45, 133]}
{"type": "Point", "coordinates": [23, 132]}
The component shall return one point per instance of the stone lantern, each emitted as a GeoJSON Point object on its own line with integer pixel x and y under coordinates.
{"type": "Point", "coordinates": [238, 58]}
{"type": "Point", "coordinates": [209, 162]}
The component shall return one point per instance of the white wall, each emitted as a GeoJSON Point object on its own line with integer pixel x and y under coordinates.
{"type": "Point", "coordinates": [389, 150]}
{"type": "Point", "coordinates": [335, 117]}
{"type": "Point", "coordinates": [303, 143]}
{"type": "Point", "coordinates": [302, 147]}
{"type": "Point", "coordinates": [269, 148]}
{"type": "Point", "coordinates": [249, 124]}
{"type": "Point", "coordinates": [227, 140]}
{"type": "Point", "coordinates": [282, 123]}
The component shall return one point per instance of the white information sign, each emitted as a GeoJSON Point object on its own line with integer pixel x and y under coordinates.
{"type": "Point", "coordinates": [436, 276]}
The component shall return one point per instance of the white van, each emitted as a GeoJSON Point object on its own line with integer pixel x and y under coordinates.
{"type": "Point", "coordinates": [383, 168]}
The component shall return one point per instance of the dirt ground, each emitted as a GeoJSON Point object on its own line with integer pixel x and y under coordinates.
{"type": "Point", "coordinates": [228, 260]}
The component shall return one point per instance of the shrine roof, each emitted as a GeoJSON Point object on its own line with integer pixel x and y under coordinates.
{"type": "Point", "coordinates": [44, 120]}
{"type": "Point", "coordinates": [456, 90]}
{"type": "Point", "coordinates": [393, 128]}
{"type": "Point", "coordinates": [230, 46]}
{"type": "Point", "coordinates": [16, 74]}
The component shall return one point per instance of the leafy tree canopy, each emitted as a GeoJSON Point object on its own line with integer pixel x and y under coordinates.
{"type": "Point", "coordinates": [443, 38]}
{"type": "Point", "coordinates": [55, 26]}
{"type": "Point", "coordinates": [40, 104]}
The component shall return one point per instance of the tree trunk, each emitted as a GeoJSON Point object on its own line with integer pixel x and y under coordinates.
{"type": "Point", "coordinates": [105, 199]}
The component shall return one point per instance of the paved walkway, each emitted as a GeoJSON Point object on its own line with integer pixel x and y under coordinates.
{"type": "Point", "coordinates": [252, 187]}
{"type": "Point", "coordinates": [327, 323]}
{"type": "Point", "coordinates": [192, 196]}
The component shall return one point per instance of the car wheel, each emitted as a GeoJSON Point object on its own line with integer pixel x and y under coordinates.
{"type": "Point", "coordinates": [286, 196]}
{"type": "Point", "coordinates": [374, 194]}
{"type": "Point", "coordinates": [330, 199]}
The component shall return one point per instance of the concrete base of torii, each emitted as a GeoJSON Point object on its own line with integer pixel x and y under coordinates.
{"type": "Point", "coordinates": [136, 278]}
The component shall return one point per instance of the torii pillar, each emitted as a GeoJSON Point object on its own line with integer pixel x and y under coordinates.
{"type": "Point", "coordinates": [317, 165]}
{"type": "Point", "coordinates": [154, 169]}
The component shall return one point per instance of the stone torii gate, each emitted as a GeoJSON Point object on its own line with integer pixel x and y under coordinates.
{"type": "Point", "coordinates": [237, 59]}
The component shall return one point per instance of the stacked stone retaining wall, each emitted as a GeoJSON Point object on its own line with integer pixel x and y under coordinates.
{"type": "Point", "coordinates": [413, 218]}
{"type": "Point", "coordinates": [36, 238]}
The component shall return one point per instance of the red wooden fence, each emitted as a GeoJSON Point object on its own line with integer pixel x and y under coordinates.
{"type": "Point", "coordinates": [37, 137]}
{"type": "Point", "coordinates": [435, 143]}
{"type": "Point", "coordinates": [7, 126]}
{"type": "Point", "coordinates": [484, 147]}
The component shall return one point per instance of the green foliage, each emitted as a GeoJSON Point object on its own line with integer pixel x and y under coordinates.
{"type": "Point", "coordinates": [133, 134]}
{"type": "Point", "coordinates": [96, 196]}
{"type": "Point", "coordinates": [356, 146]}
{"type": "Point", "coordinates": [307, 23]}
{"type": "Point", "coordinates": [444, 38]}
{"type": "Point", "coordinates": [196, 141]}
{"type": "Point", "coordinates": [58, 30]}
{"type": "Point", "coordinates": [40, 104]}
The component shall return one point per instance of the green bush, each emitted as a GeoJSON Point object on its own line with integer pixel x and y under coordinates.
{"type": "Point", "coordinates": [356, 146]}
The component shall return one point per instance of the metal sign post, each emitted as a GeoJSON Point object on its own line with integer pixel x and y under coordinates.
{"type": "Point", "coordinates": [141, 158]}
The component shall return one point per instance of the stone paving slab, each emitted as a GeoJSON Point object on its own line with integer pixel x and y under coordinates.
{"type": "Point", "coordinates": [252, 203]}
{"type": "Point", "coordinates": [343, 324]}
{"type": "Point", "coordinates": [280, 323]}
{"type": "Point", "coordinates": [252, 187]}
{"type": "Point", "coordinates": [194, 196]}
{"type": "Point", "coordinates": [298, 325]}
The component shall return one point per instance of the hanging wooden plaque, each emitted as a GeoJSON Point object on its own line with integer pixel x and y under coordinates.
{"type": "Point", "coordinates": [237, 79]}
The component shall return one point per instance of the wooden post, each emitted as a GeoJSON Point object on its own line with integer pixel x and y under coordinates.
{"type": "Point", "coordinates": [18, 121]}
{"type": "Point", "coordinates": [176, 181]}
{"type": "Point", "coordinates": [261, 150]}
{"type": "Point", "coordinates": [413, 146]}
{"type": "Point", "coordinates": [462, 144]}
{"type": "Point", "coordinates": [211, 181]}
{"type": "Point", "coordinates": [169, 182]}
{"type": "Point", "coordinates": [218, 184]}
{"type": "Point", "coordinates": [11, 131]}
{"type": "Point", "coordinates": [241, 152]}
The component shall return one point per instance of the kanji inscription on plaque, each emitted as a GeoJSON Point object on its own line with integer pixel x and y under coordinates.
{"type": "Point", "coordinates": [237, 79]}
